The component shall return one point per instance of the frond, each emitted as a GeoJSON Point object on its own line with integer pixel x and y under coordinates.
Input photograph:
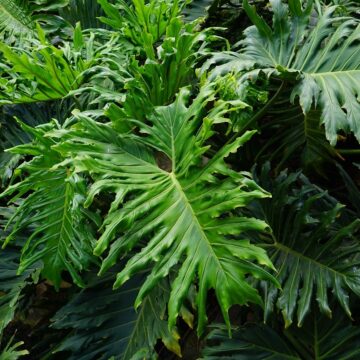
{"type": "Point", "coordinates": [184, 215]}
{"type": "Point", "coordinates": [18, 17]}
{"type": "Point", "coordinates": [314, 250]}
{"type": "Point", "coordinates": [319, 338]}
{"type": "Point", "coordinates": [319, 60]}
{"type": "Point", "coordinates": [51, 205]}
{"type": "Point", "coordinates": [11, 284]}
{"type": "Point", "coordinates": [12, 134]}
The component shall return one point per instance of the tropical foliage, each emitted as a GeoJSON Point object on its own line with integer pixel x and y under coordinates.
{"type": "Point", "coordinates": [179, 182]}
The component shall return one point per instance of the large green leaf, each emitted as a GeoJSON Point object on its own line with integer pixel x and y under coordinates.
{"type": "Point", "coordinates": [52, 205]}
{"type": "Point", "coordinates": [312, 247]}
{"type": "Point", "coordinates": [323, 58]}
{"type": "Point", "coordinates": [182, 210]}
{"type": "Point", "coordinates": [317, 54]}
{"type": "Point", "coordinates": [105, 323]}
{"type": "Point", "coordinates": [255, 342]}
{"type": "Point", "coordinates": [290, 138]}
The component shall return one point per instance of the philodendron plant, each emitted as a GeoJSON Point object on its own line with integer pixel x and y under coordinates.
{"type": "Point", "coordinates": [168, 193]}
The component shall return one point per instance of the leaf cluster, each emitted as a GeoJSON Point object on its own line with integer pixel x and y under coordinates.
{"type": "Point", "coordinates": [172, 185]}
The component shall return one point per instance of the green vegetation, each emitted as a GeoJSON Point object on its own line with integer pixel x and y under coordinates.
{"type": "Point", "coordinates": [179, 179]}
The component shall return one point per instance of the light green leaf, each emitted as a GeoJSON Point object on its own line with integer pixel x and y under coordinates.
{"type": "Point", "coordinates": [41, 71]}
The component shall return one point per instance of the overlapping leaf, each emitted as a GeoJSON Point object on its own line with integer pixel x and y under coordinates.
{"type": "Point", "coordinates": [256, 342]}
{"type": "Point", "coordinates": [324, 57]}
{"type": "Point", "coordinates": [320, 59]}
{"type": "Point", "coordinates": [181, 215]}
{"type": "Point", "coordinates": [140, 86]}
{"type": "Point", "coordinates": [11, 284]}
{"type": "Point", "coordinates": [14, 16]}
{"type": "Point", "coordinates": [56, 71]}
{"type": "Point", "coordinates": [320, 339]}
{"type": "Point", "coordinates": [143, 22]}
{"type": "Point", "coordinates": [87, 12]}
{"type": "Point", "coordinates": [105, 323]}
{"type": "Point", "coordinates": [312, 249]}
{"type": "Point", "coordinates": [292, 138]}
{"type": "Point", "coordinates": [157, 82]}
{"type": "Point", "coordinates": [12, 134]}
{"type": "Point", "coordinates": [51, 204]}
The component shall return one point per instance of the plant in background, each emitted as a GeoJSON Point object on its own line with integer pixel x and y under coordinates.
{"type": "Point", "coordinates": [318, 252]}
{"type": "Point", "coordinates": [131, 208]}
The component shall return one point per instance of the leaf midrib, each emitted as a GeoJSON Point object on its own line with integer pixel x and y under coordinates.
{"type": "Point", "coordinates": [195, 219]}
{"type": "Point", "coordinates": [293, 252]}
{"type": "Point", "coordinates": [139, 319]}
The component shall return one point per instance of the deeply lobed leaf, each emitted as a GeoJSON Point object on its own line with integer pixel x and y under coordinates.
{"type": "Point", "coordinates": [316, 52]}
{"type": "Point", "coordinates": [313, 250]}
{"type": "Point", "coordinates": [181, 216]}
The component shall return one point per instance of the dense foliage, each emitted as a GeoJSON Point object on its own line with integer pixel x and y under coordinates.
{"type": "Point", "coordinates": [179, 179]}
